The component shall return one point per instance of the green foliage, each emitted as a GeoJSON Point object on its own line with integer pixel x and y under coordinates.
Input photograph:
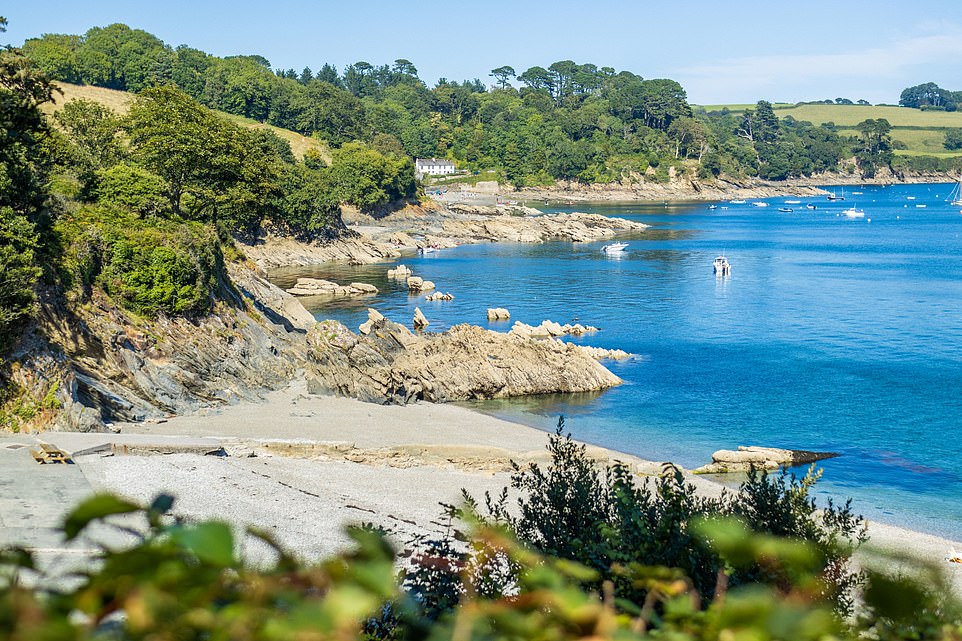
{"type": "Point", "coordinates": [953, 139]}
{"type": "Point", "coordinates": [602, 518]}
{"type": "Point", "coordinates": [149, 266]}
{"type": "Point", "coordinates": [366, 178]}
{"type": "Point", "coordinates": [186, 581]}
{"type": "Point", "coordinates": [18, 272]}
{"type": "Point", "coordinates": [92, 140]}
{"type": "Point", "coordinates": [180, 580]}
{"type": "Point", "coordinates": [24, 166]}
{"type": "Point", "coordinates": [133, 189]}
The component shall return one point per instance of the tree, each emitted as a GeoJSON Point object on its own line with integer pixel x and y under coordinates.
{"type": "Point", "coordinates": [93, 139]}
{"type": "Point", "coordinates": [953, 139]}
{"type": "Point", "coordinates": [23, 172]}
{"type": "Point", "coordinates": [874, 147]}
{"type": "Point", "coordinates": [185, 144]}
{"type": "Point", "coordinates": [502, 74]}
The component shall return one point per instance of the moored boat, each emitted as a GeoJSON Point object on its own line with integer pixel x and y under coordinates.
{"type": "Point", "coordinates": [955, 196]}
{"type": "Point", "coordinates": [613, 248]}
{"type": "Point", "coordinates": [787, 210]}
{"type": "Point", "coordinates": [852, 212]}
{"type": "Point", "coordinates": [721, 265]}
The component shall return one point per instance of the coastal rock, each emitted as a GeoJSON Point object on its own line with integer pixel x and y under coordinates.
{"type": "Point", "coordinates": [373, 316]}
{"type": "Point", "coordinates": [439, 296]}
{"type": "Point", "coordinates": [550, 328]}
{"type": "Point", "coordinates": [401, 271]}
{"type": "Point", "coordinates": [420, 321]}
{"type": "Point", "coordinates": [318, 287]}
{"type": "Point", "coordinates": [602, 354]}
{"type": "Point", "coordinates": [416, 285]}
{"type": "Point", "coordinates": [272, 252]}
{"type": "Point", "coordinates": [391, 364]}
{"type": "Point", "coordinates": [574, 227]}
{"type": "Point", "coordinates": [105, 366]}
{"type": "Point", "coordinates": [768, 458]}
{"type": "Point", "coordinates": [498, 313]}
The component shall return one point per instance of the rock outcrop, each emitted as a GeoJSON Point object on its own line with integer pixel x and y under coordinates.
{"type": "Point", "coordinates": [768, 458]}
{"type": "Point", "coordinates": [550, 328]}
{"type": "Point", "coordinates": [416, 285]}
{"type": "Point", "coordinates": [392, 364]}
{"type": "Point", "coordinates": [439, 296]}
{"type": "Point", "coordinates": [420, 320]}
{"type": "Point", "coordinates": [575, 227]}
{"type": "Point", "coordinates": [103, 365]}
{"type": "Point", "coordinates": [498, 313]}
{"type": "Point", "coordinates": [400, 272]}
{"type": "Point", "coordinates": [318, 287]}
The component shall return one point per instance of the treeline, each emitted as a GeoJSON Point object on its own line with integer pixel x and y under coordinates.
{"type": "Point", "coordinates": [144, 206]}
{"type": "Point", "coordinates": [930, 96]}
{"type": "Point", "coordinates": [565, 121]}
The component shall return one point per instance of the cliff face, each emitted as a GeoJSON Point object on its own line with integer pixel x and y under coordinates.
{"type": "Point", "coordinates": [391, 364]}
{"type": "Point", "coordinates": [85, 366]}
{"type": "Point", "coordinates": [97, 364]}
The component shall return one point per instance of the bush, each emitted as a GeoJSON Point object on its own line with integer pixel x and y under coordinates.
{"type": "Point", "coordinates": [161, 266]}
{"type": "Point", "coordinates": [18, 272]}
{"type": "Point", "coordinates": [600, 517]}
{"type": "Point", "coordinates": [134, 189]}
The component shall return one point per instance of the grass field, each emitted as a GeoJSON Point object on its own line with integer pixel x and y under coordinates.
{"type": "Point", "coordinates": [119, 101]}
{"type": "Point", "coordinates": [923, 132]}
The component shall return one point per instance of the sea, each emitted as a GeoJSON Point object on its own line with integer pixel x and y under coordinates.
{"type": "Point", "coordinates": [831, 333]}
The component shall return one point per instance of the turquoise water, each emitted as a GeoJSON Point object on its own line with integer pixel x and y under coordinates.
{"type": "Point", "coordinates": [830, 334]}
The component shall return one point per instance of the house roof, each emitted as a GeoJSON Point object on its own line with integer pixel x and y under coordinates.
{"type": "Point", "coordinates": [433, 161]}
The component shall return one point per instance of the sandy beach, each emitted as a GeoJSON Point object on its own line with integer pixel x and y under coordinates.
{"type": "Point", "coordinates": [303, 467]}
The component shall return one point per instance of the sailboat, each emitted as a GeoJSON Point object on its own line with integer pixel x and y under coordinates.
{"type": "Point", "coordinates": [955, 198]}
{"type": "Point", "coordinates": [833, 196]}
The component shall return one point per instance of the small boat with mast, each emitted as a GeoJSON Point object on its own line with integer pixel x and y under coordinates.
{"type": "Point", "coordinates": [955, 196]}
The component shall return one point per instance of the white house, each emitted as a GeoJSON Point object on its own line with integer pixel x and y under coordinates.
{"type": "Point", "coordinates": [433, 167]}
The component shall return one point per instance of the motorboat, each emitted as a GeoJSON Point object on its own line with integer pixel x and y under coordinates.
{"type": "Point", "coordinates": [793, 202]}
{"type": "Point", "coordinates": [851, 212]}
{"type": "Point", "coordinates": [787, 210]}
{"type": "Point", "coordinates": [614, 248]}
{"type": "Point", "coordinates": [721, 265]}
{"type": "Point", "coordinates": [737, 201]}
{"type": "Point", "coordinates": [759, 204]}
{"type": "Point", "coordinates": [713, 206]}
{"type": "Point", "coordinates": [811, 206]}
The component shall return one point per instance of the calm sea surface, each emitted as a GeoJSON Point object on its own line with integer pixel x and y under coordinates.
{"type": "Point", "coordinates": [830, 334]}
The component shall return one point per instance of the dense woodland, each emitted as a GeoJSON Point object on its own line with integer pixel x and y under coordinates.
{"type": "Point", "coordinates": [566, 121]}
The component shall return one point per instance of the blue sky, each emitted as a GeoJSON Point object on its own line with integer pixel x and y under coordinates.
{"type": "Point", "coordinates": [734, 51]}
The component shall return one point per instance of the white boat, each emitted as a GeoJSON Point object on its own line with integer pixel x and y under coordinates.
{"type": "Point", "coordinates": [613, 248]}
{"type": "Point", "coordinates": [810, 206]}
{"type": "Point", "coordinates": [429, 249]}
{"type": "Point", "coordinates": [793, 202]}
{"type": "Point", "coordinates": [760, 204]}
{"type": "Point", "coordinates": [787, 210]}
{"type": "Point", "coordinates": [833, 196]}
{"type": "Point", "coordinates": [713, 206]}
{"type": "Point", "coordinates": [721, 265]}
{"type": "Point", "coordinates": [854, 213]}
{"type": "Point", "coordinates": [955, 197]}
{"type": "Point", "coordinates": [737, 202]}
{"type": "Point", "coordinates": [920, 206]}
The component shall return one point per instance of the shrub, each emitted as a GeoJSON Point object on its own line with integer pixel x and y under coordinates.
{"type": "Point", "coordinates": [18, 273]}
{"type": "Point", "coordinates": [160, 266]}
{"type": "Point", "coordinates": [572, 509]}
{"type": "Point", "coordinates": [134, 189]}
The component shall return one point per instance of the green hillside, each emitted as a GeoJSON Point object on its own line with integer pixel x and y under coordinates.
{"type": "Point", "coordinates": [119, 101]}
{"type": "Point", "coordinates": [922, 132]}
